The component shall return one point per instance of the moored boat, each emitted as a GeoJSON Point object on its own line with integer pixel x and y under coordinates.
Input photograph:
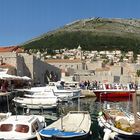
{"type": "Point", "coordinates": [113, 91]}
{"type": "Point", "coordinates": [37, 100]}
{"type": "Point", "coordinates": [36, 103]}
{"type": "Point", "coordinates": [59, 91]}
{"type": "Point", "coordinates": [74, 125]}
{"type": "Point", "coordinates": [21, 127]}
{"type": "Point", "coordinates": [118, 125]}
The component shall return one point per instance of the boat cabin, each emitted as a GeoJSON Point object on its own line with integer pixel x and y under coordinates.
{"type": "Point", "coordinates": [20, 125]}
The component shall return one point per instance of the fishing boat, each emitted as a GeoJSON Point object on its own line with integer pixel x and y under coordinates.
{"type": "Point", "coordinates": [74, 125]}
{"type": "Point", "coordinates": [113, 91]}
{"type": "Point", "coordinates": [17, 127]}
{"type": "Point", "coordinates": [118, 125]}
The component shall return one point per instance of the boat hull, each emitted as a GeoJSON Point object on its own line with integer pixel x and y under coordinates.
{"type": "Point", "coordinates": [74, 125]}
{"type": "Point", "coordinates": [135, 136]}
{"type": "Point", "coordinates": [114, 99]}
{"type": "Point", "coordinates": [36, 103]}
{"type": "Point", "coordinates": [67, 135]}
{"type": "Point", "coordinates": [113, 94]}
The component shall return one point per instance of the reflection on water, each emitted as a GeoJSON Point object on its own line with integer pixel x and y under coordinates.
{"type": "Point", "coordinates": [85, 104]}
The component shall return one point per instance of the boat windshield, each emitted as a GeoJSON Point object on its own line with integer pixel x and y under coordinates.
{"type": "Point", "coordinates": [22, 128]}
{"type": "Point", "coordinates": [6, 127]}
{"type": "Point", "coordinates": [60, 87]}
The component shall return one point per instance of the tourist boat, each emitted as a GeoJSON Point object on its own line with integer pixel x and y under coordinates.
{"type": "Point", "coordinates": [119, 124]}
{"type": "Point", "coordinates": [113, 91]}
{"type": "Point", "coordinates": [21, 127]}
{"type": "Point", "coordinates": [74, 125]}
{"type": "Point", "coordinates": [37, 100]}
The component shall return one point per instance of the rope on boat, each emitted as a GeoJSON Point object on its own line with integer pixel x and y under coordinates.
{"type": "Point", "coordinates": [82, 120]}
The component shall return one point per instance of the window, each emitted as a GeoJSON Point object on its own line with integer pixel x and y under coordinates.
{"type": "Point", "coordinates": [60, 87]}
{"type": "Point", "coordinates": [22, 128]}
{"type": "Point", "coordinates": [6, 127]}
{"type": "Point", "coordinates": [35, 127]}
{"type": "Point", "coordinates": [77, 67]}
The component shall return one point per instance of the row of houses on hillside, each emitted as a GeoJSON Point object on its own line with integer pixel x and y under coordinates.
{"type": "Point", "coordinates": [43, 70]}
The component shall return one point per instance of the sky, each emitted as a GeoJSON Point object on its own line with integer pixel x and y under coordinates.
{"type": "Point", "coordinates": [22, 20]}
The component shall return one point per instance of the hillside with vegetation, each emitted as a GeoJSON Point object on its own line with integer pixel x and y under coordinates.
{"type": "Point", "coordinates": [91, 34]}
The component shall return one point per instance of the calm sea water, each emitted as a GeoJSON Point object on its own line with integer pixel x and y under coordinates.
{"type": "Point", "coordinates": [84, 104]}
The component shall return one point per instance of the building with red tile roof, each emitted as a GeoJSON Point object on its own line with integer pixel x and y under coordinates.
{"type": "Point", "coordinates": [11, 49]}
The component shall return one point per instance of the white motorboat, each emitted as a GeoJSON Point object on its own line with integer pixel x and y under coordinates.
{"type": "Point", "coordinates": [41, 94]}
{"type": "Point", "coordinates": [36, 103]}
{"type": "Point", "coordinates": [17, 127]}
{"type": "Point", "coordinates": [37, 100]}
{"type": "Point", "coordinates": [76, 124]}
{"type": "Point", "coordinates": [58, 90]}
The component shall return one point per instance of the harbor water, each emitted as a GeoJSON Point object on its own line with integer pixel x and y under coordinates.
{"type": "Point", "coordinates": [84, 104]}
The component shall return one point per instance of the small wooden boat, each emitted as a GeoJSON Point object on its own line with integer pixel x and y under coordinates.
{"type": "Point", "coordinates": [76, 124]}
{"type": "Point", "coordinates": [21, 127]}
